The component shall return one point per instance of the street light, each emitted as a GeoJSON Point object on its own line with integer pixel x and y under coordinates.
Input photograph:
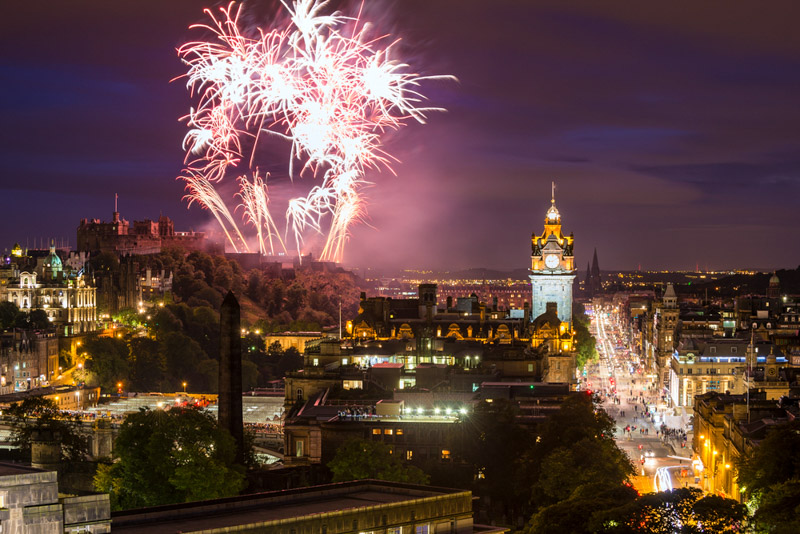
{"type": "Point", "coordinates": [184, 387]}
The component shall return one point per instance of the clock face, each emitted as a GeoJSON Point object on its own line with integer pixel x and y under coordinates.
{"type": "Point", "coordinates": [551, 261]}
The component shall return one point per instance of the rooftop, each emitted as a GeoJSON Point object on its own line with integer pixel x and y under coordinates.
{"type": "Point", "coordinates": [270, 507]}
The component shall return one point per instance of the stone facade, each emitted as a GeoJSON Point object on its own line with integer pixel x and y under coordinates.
{"type": "Point", "coordinates": [29, 504]}
{"type": "Point", "coordinates": [143, 237]}
{"type": "Point", "coordinates": [68, 297]}
{"type": "Point", "coordinates": [28, 359]}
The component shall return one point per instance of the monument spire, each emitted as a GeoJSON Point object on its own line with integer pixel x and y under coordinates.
{"type": "Point", "coordinates": [230, 372]}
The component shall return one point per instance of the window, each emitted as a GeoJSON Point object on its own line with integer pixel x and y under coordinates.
{"type": "Point", "coordinates": [316, 364]}
{"type": "Point", "coordinates": [387, 431]}
{"type": "Point", "coordinates": [421, 529]}
{"type": "Point", "coordinates": [409, 454]}
{"type": "Point", "coordinates": [376, 431]}
{"type": "Point", "coordinates": [530, 367]}
{"type": "Point", "coordinates": [733, 350]}
{"type": "Point", "coordinates": [299, 448]}
{"type": "Point", "coordinates": [344, 361]}
{"type": "Point", "coordinates": [445, 454]}
{"type": "Point", "coordinates": [712, 350]}
{"type": "Point", "coordinates": [398, 432]}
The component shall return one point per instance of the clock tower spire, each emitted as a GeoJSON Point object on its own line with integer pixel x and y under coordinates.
{"type": "Point", "coordinates": [552, 266]}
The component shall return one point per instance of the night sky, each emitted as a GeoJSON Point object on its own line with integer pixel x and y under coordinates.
{"type": "Point", "coordinates": [672, 129]}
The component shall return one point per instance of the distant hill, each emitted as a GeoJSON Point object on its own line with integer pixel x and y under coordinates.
{"type": "Point", "coordinates": [742, 284]}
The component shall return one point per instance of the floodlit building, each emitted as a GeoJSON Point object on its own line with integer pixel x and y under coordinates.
{"type": "Point", "coordinates": [552, 268]}
{"type": "Point", "coordinates": [67, 296]}
{"type": "Point", "coordinates": [142, 237]}
{"type": "Point", "coordinates": [727, 427]}
{"type": "Point", "coordinates": [28, 359]}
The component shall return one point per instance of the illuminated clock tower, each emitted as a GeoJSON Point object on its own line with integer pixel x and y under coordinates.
{"type": "Point", "coordinates": [552, 267]}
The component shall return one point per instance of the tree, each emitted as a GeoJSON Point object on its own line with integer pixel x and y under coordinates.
{"type": "Point", "coordinates": [40, 417]}
{"type": "Point", "coordinates": [770, 478]}
{"type": "Point", "coordinates": [182, 356]}
{"type": "Point", "coordinates": [290, 360]}
{"type": "Point", "coordinates": [146, 364]}
{"type": "Point", "coordinates": [359, 459]}
{"type": "Point", "coordinates": [568, 468]}
{"type": "Point", "coordinates": [8, 314]}
{"type": "Point", "coordinates": [164, 457]}
{"type": "Point", "coordinates": [493, 443]}
{"type": "Point", "coordinates": [779, 509]}
{"type": "Point", "coordinates": [724, 516]}
{"type": "Point", "coordinates": [585, 343]}
{"type": "Point", "coordinates": [108, 361]}
{"type": "Point", "coordinates": [682, 510]}
{"type": "Point", "coordinates": [575, 450]}
{"type": "Point", "coordinates": [575, 514]}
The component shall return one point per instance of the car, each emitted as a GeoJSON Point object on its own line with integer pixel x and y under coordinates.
{"type": "Point", "coordinates": [649, 453]}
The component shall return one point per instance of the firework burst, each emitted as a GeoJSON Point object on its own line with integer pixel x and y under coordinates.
{"type": "Point", "coordinates": [321, 83]}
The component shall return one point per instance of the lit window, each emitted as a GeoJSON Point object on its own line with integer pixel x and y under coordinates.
{"type": "Point", "coordinates": [409, 454]}
{"type": "Point", "coordinates": [399, 432]}
{"type": "Point", "coordinates": [376, 431]}
{"type": "Point", "coordinates": [387, 431]}
{"type": "Point", "coordinates": [445, 454]}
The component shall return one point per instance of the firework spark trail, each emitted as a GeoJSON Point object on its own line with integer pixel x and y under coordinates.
{"type": "Point", "coordinates": [255, 203]}
{"type": "Point", "coordinates": [202, 191]}
{"type": "Point", "coordinates": [322, 83]}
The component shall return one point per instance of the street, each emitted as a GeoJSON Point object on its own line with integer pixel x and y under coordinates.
{"type": "Point", "coordinates": [662, 463]}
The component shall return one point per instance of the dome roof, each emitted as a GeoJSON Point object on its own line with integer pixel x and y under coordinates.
{"type": "Point", "coordinates": [52, 260]}
{"type": "Point", "coordinates": [774, 280]}
{"type": "Point", "coordinates": [552, 214]}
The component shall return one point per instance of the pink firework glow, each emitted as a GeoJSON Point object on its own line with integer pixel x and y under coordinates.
{"type": "Point", "coordinates": [322, 84]}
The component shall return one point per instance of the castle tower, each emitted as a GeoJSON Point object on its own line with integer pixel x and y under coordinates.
{"type": "Point", "coordinates": [230, 372]}
{"type": "Point", "coordinates": [552, 267]}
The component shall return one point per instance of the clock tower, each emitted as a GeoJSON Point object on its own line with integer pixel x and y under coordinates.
{"type": "Point", "coordinates": [552, 267]}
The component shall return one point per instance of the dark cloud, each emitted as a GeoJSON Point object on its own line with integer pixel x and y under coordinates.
{"type": "Point", "coordinates": [670, 128]}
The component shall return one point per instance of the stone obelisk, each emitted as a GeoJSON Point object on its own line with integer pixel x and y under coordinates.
{"type": "Point", "coordinates": [230, 372]}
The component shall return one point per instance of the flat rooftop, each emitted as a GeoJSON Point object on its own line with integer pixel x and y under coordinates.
{"type": "Point", "coordinates": [9, 469]}
{"type": "Point", "coordinates": [269, 507]}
